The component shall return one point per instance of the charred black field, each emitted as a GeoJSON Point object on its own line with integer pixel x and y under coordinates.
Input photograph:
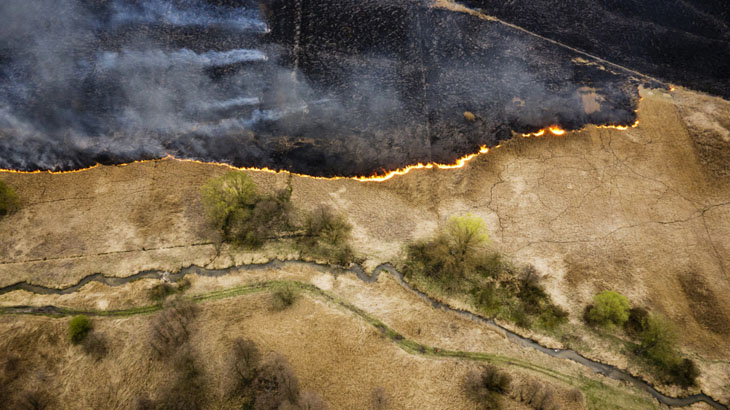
{"type": "Point", "coordinates": [685, 42]}
{"type": "Point", "coordinates": [332, 87]}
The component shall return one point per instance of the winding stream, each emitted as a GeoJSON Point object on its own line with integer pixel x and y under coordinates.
{"type": "Point", "coordinates": [597, 367]}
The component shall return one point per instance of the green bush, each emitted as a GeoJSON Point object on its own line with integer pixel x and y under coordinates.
{"type": "Point", "coordinates": [433, 259]}
{"type": "Point", "coordinates": [79, 328]}
{"type": "Point", "coordinates": [243, 216]}
{"type": "Point", "coordinates": [9, 200]}
{"type": "Point", "coordinates": [454, 253]}
{"type": "Point", "coordinates": [326, 236]}
{"type": "Point", "coordinates": [531, 292]}
{"type": "Point", "coordinates": [609, 307]}
{"type": "Point", "coordinates": [658, 344]}
{"type": "Point", "coordinates": [490, 264]}
{"type": "Point", "coordinates": [658, 340]}
{"type": "Point", "coordinates": [520, 317]}
{"type": "Point", "coordinates": [487, 299]}
{"type": "Point", "coordinates": [553, 316]}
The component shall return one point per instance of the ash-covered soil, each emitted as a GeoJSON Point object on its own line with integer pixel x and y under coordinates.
{"type": "Point", "coordinates": [322, 88]}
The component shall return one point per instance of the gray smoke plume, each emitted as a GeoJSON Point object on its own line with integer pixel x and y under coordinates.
{"type": "Point", "coordinates": [201, 14]}
{"type": "Point", "coordinates": [333, 87]}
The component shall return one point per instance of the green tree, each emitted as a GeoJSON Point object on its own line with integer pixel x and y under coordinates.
{"type": "Point", "coordinates": [326, 236]}
{"type": "Point", "coordinates": [658, 340]}
{"type": "Point", "coordinates": [466, 233]}
{"type": "Point", "coordinates": [79, 328]}
{"type": "Point", "coordinates": [9, 200]}
{"type": "Point", "coordinates": [243, 215]}
{"type": "Point", "coordinates": [231, 196]}
{"type": "Point", "coordinates": [609, 307]}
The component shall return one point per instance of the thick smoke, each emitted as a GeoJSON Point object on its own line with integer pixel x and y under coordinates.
{"type": "Point", "coordinates": [333, 87]}
{"type": "Point", "coordinates": [200, 14]}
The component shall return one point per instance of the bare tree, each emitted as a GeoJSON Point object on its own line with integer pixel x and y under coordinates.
{"type": "Point", "coordinates": [170, 328]}
{"type": "Point", "coordinates": [484, 386]}
{"type": "Point", "coordinates": [185, 390]}
{"type": "Point", "coordinates": [243, 362]}
{"type": "Point", "coordinates": [539, 396]}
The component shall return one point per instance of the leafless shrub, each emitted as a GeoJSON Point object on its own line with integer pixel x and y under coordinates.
{"type": "Point", "coordinates": [185, 389]}
{"type": "Point", "coordinates": [484, 385]}
{"type": "Point", "coordinates": [170, 328]}
{"type": "Point", "coordinates": [576, 396]}
{"type": "Point", "coordinates": [538, 396]}
{"type": "Point", "coordinates": [275, 383]}
{"type": "Point", "coordinates": [379, 398]}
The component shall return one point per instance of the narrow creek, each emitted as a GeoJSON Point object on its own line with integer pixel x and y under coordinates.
{"type": "Point", "coordinates": [595, 366]}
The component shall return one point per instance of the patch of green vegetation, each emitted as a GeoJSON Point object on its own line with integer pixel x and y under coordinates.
{"type": "Point", "coordinates": [654, 337]}
{"type": "Point", "coordinates": [9, 200]}
{"type": "Point", "coordinates": [609, 308]}
{"type": "Point", "coordinates": [601, 396]}
{"type": "Point", "coordinates": [249, 219]}
{"type": "Point", "coordinates": [243, 215]}
{"type": "Point", "coordinates": [458, 262]}
{"type": "Point", "coordinates": [658, 344]}
{"type": "Point", "coordinates": [79, 328]}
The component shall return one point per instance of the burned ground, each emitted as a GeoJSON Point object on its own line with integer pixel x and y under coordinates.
{"type": "Point", "coordinates": [683, 42]}
{"type": "Point", "coordinates": [322, 88]}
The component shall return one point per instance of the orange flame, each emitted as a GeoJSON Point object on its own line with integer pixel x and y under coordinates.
{"type": "Point", "coordinates": [373, 178]}
{"type": "Point", "coordinates": [460, 163]}
{"type": "Point", "coordinates": [556, 130]}
{"type": "Point", "coordinates": [534, 134]}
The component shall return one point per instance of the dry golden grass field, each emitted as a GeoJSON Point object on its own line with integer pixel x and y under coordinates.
{"type": "Point", "coordinates": [645, 212]}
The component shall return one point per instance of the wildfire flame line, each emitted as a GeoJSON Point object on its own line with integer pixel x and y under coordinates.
{"type": "Point", "coordinates": [459, 163]}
